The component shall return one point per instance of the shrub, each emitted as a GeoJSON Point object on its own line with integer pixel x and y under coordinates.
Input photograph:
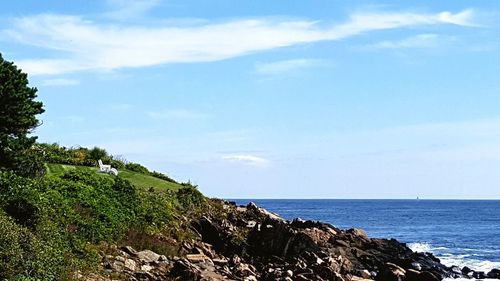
{"type": "Point", "coordinates": [97, 153]}
{"type": "Point", "coordinates": [24, 255]}
{"type": "Point", "coordinates": [18, 198]}
{"type": "Point", "coordinates": [29, 164]}
{"type": "Point", "coordinates": [189, 197]}
{"type": "Point", "coordinates": [162, 176]}
{"type": "Point", "coordinates": [137, 168]}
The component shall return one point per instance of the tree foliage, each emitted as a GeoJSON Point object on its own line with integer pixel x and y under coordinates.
{"type": "Point", "coordinates": [18, 110]}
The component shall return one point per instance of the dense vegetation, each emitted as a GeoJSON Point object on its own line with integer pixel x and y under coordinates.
{"type": "Point", "coordinates": [55, 225]}
{"type": "Point", "coordinates": [81, 156]}
{"type": "Point", "coordinates": [57, 214]}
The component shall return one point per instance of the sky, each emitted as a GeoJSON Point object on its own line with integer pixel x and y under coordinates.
{"type": "Point", "coordinates": [274, 99]}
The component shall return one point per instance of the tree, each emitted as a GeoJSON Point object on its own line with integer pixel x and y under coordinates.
{"type": "Point", "coordinates": [18, 110]}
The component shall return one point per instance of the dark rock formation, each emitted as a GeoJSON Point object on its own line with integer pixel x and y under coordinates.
{"type": "Point", "coordinates": [250, 243]}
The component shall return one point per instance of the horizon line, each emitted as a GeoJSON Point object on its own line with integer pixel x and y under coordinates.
{"type": "Point", "coordinates": [401, 199]}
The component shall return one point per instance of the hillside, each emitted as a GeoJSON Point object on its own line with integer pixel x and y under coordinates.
{"type": "Point", "coordinates": [140, 180]}
{"type": "Point", "coordinates": [77, 224]}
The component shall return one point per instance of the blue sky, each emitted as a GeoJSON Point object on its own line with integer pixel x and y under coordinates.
{"type": "Point", "coordinates": [312, 99]}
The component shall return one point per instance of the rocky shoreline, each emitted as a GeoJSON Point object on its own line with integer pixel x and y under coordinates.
{"type": "Point", "coordinates": [250, 243]}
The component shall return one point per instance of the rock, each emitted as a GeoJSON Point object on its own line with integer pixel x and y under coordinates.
{"type": "Point", "coordinates": [356, 278]}
{"type": "Point", "coordinates": [146, 267]}
{"type": "Point", "coordinates": [220, 261]}
{"type": "Point", "coordinates": [302, 277]}
{"type": "Point", "coordinates": [144, 276]}
{"type": "Point", "coordinates": [412, 275]}
{"type": "Point", "coordinates": [251, 224]}
{"type": "Point", "coordinates": [478, 275]}
{"type": "Point", "coordinates": [416, 266]}
{"type": "Point", "coordinates": [494, 273]}
{"type": "Point", "coordinates": [243, 270]}
{"type": "Point", "coordinates": [427, 276]}
{"type": "Point", "coordinates": [456, 270]}
{"type": "Point", "coordinates": [391, 272]}
{"type": "Point", "coordinates": [117, 266]}
{"type": "Point", "coordinates": [271, 248]}
{"type": "Point", "coordinates": [263, 212]}
{"type": "Point", "coordinates": [147, 256]}
{"type": "Point", "coordinates": [130, 264]}
{"type": "Point", "coordinates": [342, 243]}
{"type": "Point", "coordinates": [196, 257]}
{"type": "Point", "coordinates": [129, 250]}
{"type": "Point", "coordinates": [120, 259]}
{"type": "Point", "coordinates": [365, 274]}
{"type": "Point", "coordinates": [465, 270]}
{"type": "Point", "coordinates": [357, 232]}
{"type": "Point", "coordinates": [184, 271]}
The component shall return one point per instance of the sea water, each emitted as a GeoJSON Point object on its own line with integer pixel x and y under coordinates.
{"type": "Point", "coordinates": [458, 232]}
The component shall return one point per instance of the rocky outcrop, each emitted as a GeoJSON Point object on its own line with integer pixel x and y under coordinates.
{"type": "Point", "coordinates": [250, 243]}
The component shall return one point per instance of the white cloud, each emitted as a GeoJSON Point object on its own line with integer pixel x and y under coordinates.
{"type": "Point", "coordinates": [60, 82]}
{"type": "Point", "coordinates": [417, 41]}
{"type": "Point", "coordinates": [462, 18]}
{"type": "Point", "coordinates": [88, 45]}
{"type": "Point", "coordinates": [248, 160]}
{"type": "Point", "coordinates": [285, 66]}
{"type": "Point", "coordinates": [175, 114]}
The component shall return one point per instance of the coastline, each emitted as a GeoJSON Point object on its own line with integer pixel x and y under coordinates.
{"type": "Point", "coordinates": [239, 242]}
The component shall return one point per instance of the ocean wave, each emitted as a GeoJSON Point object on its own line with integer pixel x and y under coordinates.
{"type": "Point", "coordinates": [477, 265]}
{"type": "Point", "coordinates": [420, 247]}
{"type": "Point", "coordinates": [453, 259]}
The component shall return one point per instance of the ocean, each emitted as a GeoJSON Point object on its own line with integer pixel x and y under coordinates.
{"type": "Point", "coordinates": [459, 232]}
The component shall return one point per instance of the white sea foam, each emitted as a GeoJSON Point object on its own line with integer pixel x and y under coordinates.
{"type": "Point", "coordinates": [420, 247]}
{"type": "Point", "coordinates": [449, 259]}
{"type": "Point", "coordinates": [464, 260]}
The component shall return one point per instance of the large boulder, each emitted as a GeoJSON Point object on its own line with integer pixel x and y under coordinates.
{"type": "Point", "coordinates": [147, 256]}
{"type": "Point", "coordinates": [391, 272]}
{"type": "Point", "coordinates": [494, 273]}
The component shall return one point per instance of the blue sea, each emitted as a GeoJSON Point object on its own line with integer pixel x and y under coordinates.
{"type": "Point", "coordinates": [459, 232]}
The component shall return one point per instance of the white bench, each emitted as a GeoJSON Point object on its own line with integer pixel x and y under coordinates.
{"type": "Point", "coordinates": [106, 168]}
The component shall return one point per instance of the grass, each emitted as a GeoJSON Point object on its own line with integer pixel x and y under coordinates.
{"type": "Point", "coordinates": [141, 181]}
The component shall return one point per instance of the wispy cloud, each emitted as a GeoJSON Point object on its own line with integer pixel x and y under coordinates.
{"type": "Point", "coordinates": [417, 41]}
{"type": "Point", "coordinates": [183, 114]}
{"type": "Point", "coordinates": [285, 66]}
{"type": "Point", "coordinates": [248, 160]}
{"type": "Point", "coordinates": [87, 45]}
{"type": "Point", "coordinates": [60, 82]}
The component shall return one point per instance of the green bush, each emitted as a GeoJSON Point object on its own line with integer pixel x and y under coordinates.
{"type": "Point", "coordinates": [97, 153]}
{"type": "Point", "coordinates": [137, 168]}
{"type": "Point", "coordinates": [118, 164]}
{"type": "Point", "coordinates": [161, 176]}
{"type": "Point", "coordinates": [80, 156]}
{"type": "Point", "coordinates": [29, 164]}
{"type": "Point", "coordinates": [56, 223]}
{"type": "Point", "coordinates": [23, 254]}
{"type": "Point", "coordinates": [189, 196]}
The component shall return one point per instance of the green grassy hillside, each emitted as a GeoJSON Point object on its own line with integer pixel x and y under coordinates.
{"type": "Point", "coordinates": [141, 181]}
